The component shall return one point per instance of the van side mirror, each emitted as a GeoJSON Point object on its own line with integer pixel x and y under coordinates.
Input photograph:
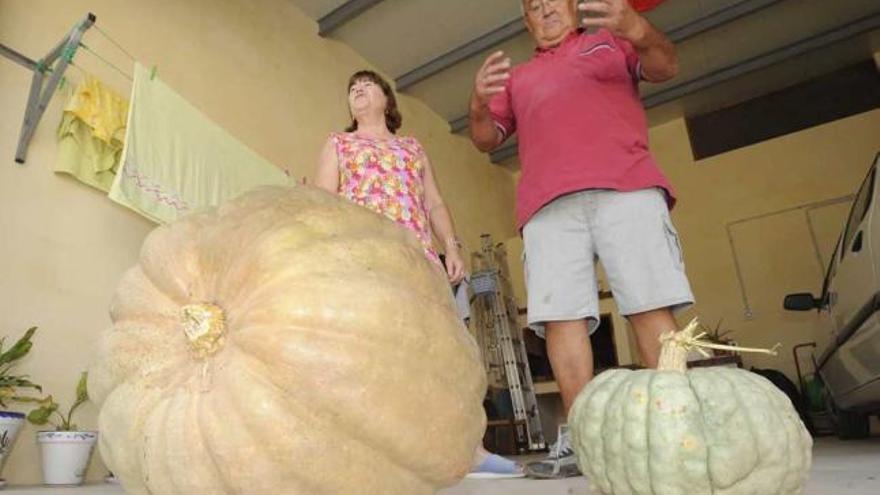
{"type": "Point", "coordinates": [802, 301]}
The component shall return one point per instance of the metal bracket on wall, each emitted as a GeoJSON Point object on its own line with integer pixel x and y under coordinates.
{"type": "Point", "coordinates": [39, 97]}
{"type": "Point", "coordinates": [806, 208]}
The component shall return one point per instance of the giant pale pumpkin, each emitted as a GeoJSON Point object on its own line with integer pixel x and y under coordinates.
{"type": "Point", "coordinates": [709, 431]}
{"type": "Point", "coordinates": [287, 343]}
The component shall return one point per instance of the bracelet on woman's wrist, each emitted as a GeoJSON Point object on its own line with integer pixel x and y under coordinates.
{"type": "Point", "coordinates": [453, 241]}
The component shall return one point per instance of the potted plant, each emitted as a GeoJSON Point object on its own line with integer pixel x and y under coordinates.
{"type": "Point", "coordinates": [11, 388]}
{"type": "Point", "coordinates": [715, 335]}
{"type": "Point", "coordinates": [66, 450]}
{"type": "Point", "coordinates": [718, 336]}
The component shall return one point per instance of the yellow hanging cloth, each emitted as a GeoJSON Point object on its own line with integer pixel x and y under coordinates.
{"type": "Point", "coordinates": [92, 134]}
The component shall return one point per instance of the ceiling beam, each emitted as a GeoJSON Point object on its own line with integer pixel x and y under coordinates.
{"type": "Point", "coordinates": [459, 124]}
{"type": "Point", "coordinates": [465, 51]}
{"type": "Point", "coordinates": [516, 27]}
{"type": "Point", "coordinates": [342, 14]}
{"type": "Point", "coordinates": [767, 59]}
{"type": "Point", "coordinates": [852, 29]}
{"type": "Point", "coordinates": [509, 150]}
{"type": "Point", "coordinates": [718, 18]}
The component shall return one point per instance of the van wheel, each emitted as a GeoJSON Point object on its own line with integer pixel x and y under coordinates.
{"type": "Point", "coordinates": [852, 425]}
{"type": "Point", "coordinates": [849, 425]}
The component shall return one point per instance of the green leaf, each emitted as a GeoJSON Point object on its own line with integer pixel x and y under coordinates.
{"type": "Point", "coordinates": [18, 382]}
{"type": "Point", "coordinates": [39, 416]}
{"type": "Point", "coordinates": [82, 396]}
{"type": "Point", "coordinates": [18, 350]}
{"type": "Point", "coordinates": [82, 391]}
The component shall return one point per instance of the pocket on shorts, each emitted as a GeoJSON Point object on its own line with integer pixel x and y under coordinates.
{"type": "Point", "coordinates": [674, 243]}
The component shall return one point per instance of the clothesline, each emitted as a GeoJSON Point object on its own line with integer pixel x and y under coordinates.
{"type": "Point", "coordinates": [105, 60]}
{"type": "Point", "coordinates": [115, 43]}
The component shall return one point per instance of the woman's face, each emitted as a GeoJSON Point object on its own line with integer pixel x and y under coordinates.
{"type": "Point", "coordinates": [366, 96]}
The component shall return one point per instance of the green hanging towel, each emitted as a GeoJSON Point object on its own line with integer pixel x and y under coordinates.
{"type": "Point", "coordinates": [177, 161]}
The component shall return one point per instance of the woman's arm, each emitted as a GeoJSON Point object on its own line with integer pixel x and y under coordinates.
{"type": "Point", "coordinates": [327, 174]}
{"type": "Point", "coordinates": [441, 223]}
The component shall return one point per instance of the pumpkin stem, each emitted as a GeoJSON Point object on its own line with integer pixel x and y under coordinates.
{"type": "Point", "coordinates": [676, 345]}
{"type": "Point", "coordinates": [205, 327]}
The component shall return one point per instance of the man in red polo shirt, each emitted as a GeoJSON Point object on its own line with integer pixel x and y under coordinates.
{"type": "Point", "coordinates": [589, 188]}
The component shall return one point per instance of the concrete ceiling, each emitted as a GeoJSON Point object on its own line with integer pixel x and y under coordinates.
{"type": "Point", "coordinates": [729, 50]}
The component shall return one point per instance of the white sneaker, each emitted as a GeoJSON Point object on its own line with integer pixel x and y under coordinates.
{"type": "Point", "coordinates": [561, 462]}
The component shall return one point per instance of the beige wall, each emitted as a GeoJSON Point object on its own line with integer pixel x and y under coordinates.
{"type": "Point", "coordinates": [257, 68]}
{"type": "Point", "coordinates": [761, 187]}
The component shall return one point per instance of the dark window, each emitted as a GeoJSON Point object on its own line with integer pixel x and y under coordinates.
{"type": "Point", "coordinates": [843, 93]}
{"type": "Point", "coordinates": [859, 209]}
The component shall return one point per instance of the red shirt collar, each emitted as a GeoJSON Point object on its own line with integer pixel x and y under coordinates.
{"type": "Point", "coordinates": [568, 39]}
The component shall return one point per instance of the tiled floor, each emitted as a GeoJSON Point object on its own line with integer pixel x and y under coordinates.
{"type": "Point", "coordinates": [839, 468]}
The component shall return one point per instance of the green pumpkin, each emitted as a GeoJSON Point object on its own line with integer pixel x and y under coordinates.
{"type": "Point", "coordinates": [670, 431]}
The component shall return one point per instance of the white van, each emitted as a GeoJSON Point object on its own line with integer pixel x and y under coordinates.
{"type": "Point", "coordinates": [850, 366]}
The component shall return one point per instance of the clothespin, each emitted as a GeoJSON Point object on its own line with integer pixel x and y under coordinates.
{"type": "Point", "coordinates": [68, 53]}
{"type": "Point", "coordinates": [153, 71]}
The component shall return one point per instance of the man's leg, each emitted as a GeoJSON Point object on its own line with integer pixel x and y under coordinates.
{"type": "Point", "coordinates": [648, 327]}
{"type": "Point", "coordinates": [571, 357]}
{"type": "Point", "coordinates": [562, 297]}
{"type": "Point", "coordinates": [640, 250]}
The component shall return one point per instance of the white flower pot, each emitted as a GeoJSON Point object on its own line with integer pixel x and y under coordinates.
{"type": "Point", "coordinates": [10, 424]}
{"type": "Point", "coordinates": [66, 455]}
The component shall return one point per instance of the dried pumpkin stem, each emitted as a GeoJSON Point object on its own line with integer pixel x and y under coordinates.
{"type": "Point", "coordinates": [676, 345]}
{"type": "Point", "coordinates": [205, 327]}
